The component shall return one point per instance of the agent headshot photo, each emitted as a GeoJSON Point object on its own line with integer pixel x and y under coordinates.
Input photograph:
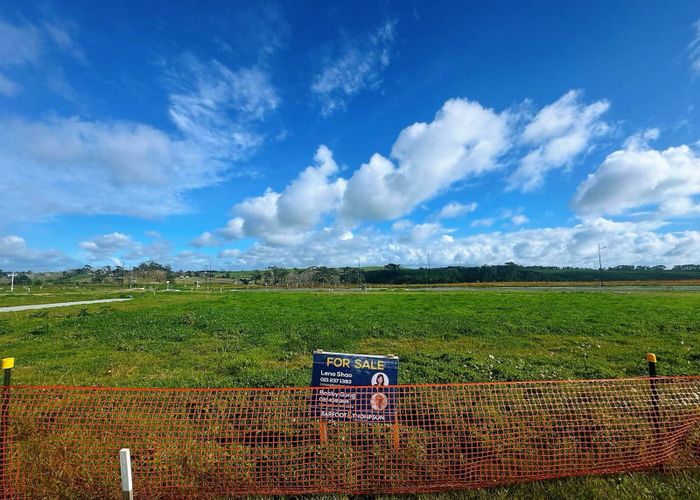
{"type": "Point", "coordinates": [380, 379]}
{"type": "Point", "coordinates": [379, 401]}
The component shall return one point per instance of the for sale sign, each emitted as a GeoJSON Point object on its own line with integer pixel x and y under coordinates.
{"type": "Point", "coordinates": [356, 387]}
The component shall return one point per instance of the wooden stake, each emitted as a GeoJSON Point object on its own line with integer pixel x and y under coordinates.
{"type": "Point", "coordinates": [125, 468]}
{"type": "Point", "coordinates": [7, 365]}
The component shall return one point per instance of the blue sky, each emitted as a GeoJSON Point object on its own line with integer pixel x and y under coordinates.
{"type": "Point", "coordinates": [252, 134]}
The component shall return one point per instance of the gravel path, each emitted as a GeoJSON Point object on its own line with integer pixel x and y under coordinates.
{"type": "Point", "coordinates": [57, 304]}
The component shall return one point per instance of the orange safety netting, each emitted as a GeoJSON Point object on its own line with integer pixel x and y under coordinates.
{"type": "Point", "coordinates": [65, 441]}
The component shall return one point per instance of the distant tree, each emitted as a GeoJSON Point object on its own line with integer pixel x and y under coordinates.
{"type": "Point", "coordinates": [23, 279]}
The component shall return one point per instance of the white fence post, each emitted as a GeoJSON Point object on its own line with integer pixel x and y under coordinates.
{"type": "Point", "coordinates": [125, 467]}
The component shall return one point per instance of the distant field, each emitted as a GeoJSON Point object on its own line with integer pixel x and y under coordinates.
{"type": "Point", "coordinates": [265, 339]}
{"type": "Point", "coordinates": [56, 295]}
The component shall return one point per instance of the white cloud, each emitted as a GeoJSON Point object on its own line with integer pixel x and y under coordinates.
{"type": "Point", "coordinates": [217, 107]}
{"type": "Point", "coordinates": [405, 230]}
{"type": "Point", "coordinates": [8, 88]}
{"type": "Point", "coordinates": [483, 222]}
{"type": "Point", "coordinates": [67, 165]}
{"type": "Point", "coordinates": [190, 260]}
{"type": "Point", "coordinates": [357, 66]}
{"type": "Point", "coordinates": [559, 133]}
{"type": "Point", "coordinates": [206, 239]}
{"type": "Point", "coordinates": [504, 215]}
{"type": "Point", "coordinates": [463, 140]}
{"type": "Point", "coordinates": [694, 49]}
{"type": "Point", "coordinates": [230, 253]}
{"type": "Point", "coordinates": [642, 138]}
{"type": "Point", "coordinates": [21, 44]}
{"type": "Point", "coordinates": [60, 34]}
{"type": "Point", "coordinates": [32, 45]}
{"type": "Point", "coordinates": [16, 255]}
{"type": "Point", "coordinates": [456, 209]}
{"type": "Point", "coordinates": [123, 247]}
{"type": "Point", "coordinates": [626, 242]}
{"type": "Point", "coordinates": [283, 218]}
{"type": "Point", "coordinates": [71, 165]}
{"type": "Point", "coordinates": [105, 245]}
{"type": "Point", "coordinates": [519, 219]}
{"type": "Point", "coordinates": [638, 176]}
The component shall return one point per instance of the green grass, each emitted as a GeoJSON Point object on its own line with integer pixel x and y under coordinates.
{"type": "Point", "coordinates": [266, 339]}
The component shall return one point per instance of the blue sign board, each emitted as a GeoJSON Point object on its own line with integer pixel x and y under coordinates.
{"type": "Point", "coordinates": [359, 387]}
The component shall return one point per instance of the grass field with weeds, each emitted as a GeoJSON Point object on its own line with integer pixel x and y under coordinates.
{"type": "Point", "coordinates": [259, 339]}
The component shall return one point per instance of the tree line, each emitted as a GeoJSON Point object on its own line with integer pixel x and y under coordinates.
{"type": "Point", "coordinates": [391, 273]}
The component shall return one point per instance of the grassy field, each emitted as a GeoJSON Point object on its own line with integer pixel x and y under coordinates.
{"type": "Point", "coordinates": [57, 295]}
{"type": "Point", "coordinates": [265, 339]}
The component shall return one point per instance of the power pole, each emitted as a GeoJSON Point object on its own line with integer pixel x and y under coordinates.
{"type": "Point", "coordinates": [430, 281]}
{"type": "Point", "coordinates": [600, 265]}
{"type": "Point", "coordinates": [12, 281]}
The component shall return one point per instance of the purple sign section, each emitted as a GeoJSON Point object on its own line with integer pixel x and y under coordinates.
{"type": "Point", "coordinates": [360, 387]}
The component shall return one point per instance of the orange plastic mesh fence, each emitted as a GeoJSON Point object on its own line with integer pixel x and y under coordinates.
{"type": "Point", "coordinates": [63, 441]}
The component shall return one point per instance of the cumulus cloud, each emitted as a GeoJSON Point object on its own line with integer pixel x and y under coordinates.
{"type": "Point", "coordinates": [627, 243]}
{"type": "Point", "coordinates": [465, 139]}
{"type": "Point", "coordinates": [230, 253]}
{"type": "Point", "coordinates": [105, 245]}
{"type": "Point", "coordinates": [504, 215]}
{"type": "Point", "coordinates": [519, 219]}
{"type": "Point", "coordinates": [283, 218]}
{"type": "Point", "coordinates": [16, 255]}
{"type": "Point", "coordinates": [456, 209]}
{"type": "Point", "coordinates": [559, 133]}
{"type": "Point", "coordinates": [118, 247]}
{"type": "Point", "coordinates": [405, 230]}
{"type": "Point", "coordinates": [639, 176]}
{"type": "Point", "coordinates": [641, 243]}
{"type": "Point", "coordinates": [206, 239]}
{"type": "Point", "coordinates": [355, 67]}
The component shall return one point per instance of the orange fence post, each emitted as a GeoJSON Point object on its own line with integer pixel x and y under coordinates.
{"type": "Point", "coordinates": [395, 434]}
{"type": "Point", "coordinates": [323, 428]}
